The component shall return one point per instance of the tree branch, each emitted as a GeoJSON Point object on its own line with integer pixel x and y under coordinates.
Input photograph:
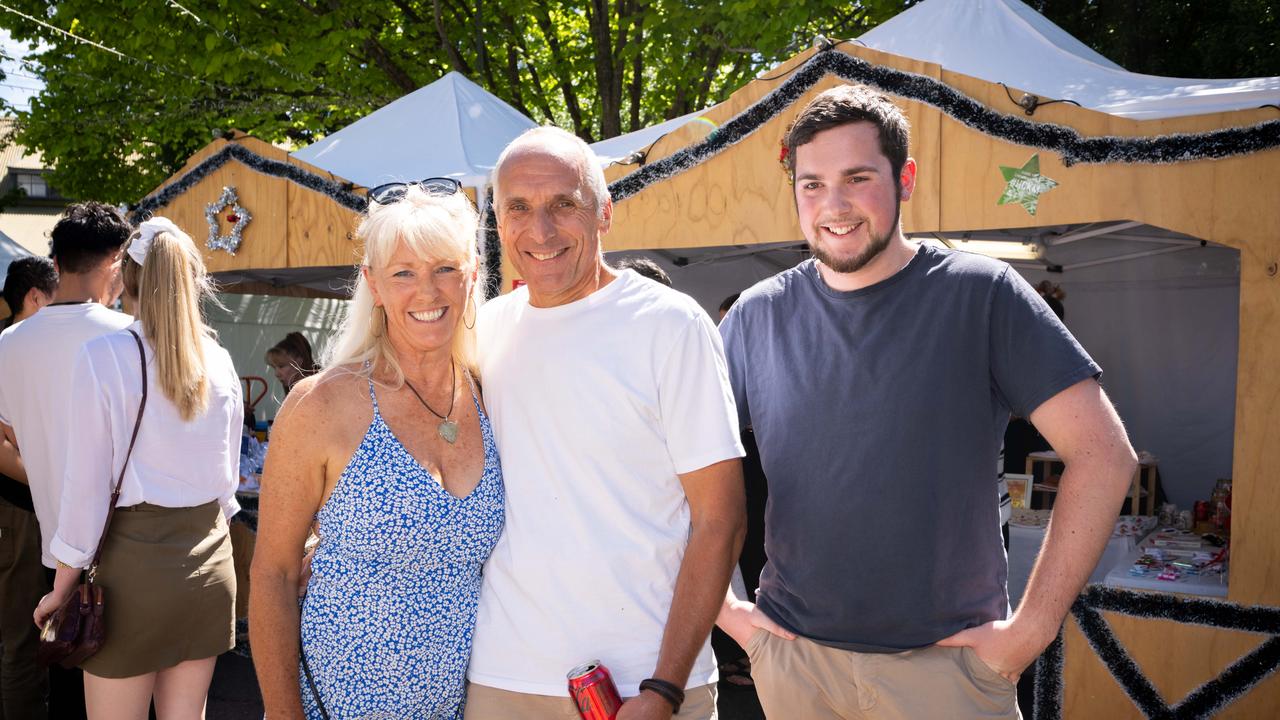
{"type": "Point", "coordinates": [455, 59]}
{"type": "Point", "coordinates": [543, 19]}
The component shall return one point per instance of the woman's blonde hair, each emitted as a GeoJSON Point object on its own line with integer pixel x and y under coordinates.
{"type": "Point", "coordinates": [433, 227]}
{"type": "Point", "coordinates": [169, 287]}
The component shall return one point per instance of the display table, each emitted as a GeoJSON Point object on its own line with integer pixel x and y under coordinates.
{"type": "Point", "coordinates": [1212, 585]}
{"type": "Point", "coordinates": [1024, 548]}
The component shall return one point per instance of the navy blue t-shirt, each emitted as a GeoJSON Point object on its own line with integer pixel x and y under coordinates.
{"type": "Point", "coordinates": [879, 415]}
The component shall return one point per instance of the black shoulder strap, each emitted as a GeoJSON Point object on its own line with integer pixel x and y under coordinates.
{"type": "Point", "coordinates": [115, 494]}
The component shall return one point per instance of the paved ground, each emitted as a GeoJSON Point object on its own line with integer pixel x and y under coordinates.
{"type": "Point", "coordinates": [234, 694]}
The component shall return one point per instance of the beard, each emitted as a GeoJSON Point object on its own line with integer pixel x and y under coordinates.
{"type": "Point", "coordinates": [875, 245]}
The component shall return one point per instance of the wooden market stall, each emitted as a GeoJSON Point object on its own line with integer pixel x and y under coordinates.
{"type": "Point", "coordinates": [1213, 177]}
{"type": "Point", "coordinates": [267, 223]}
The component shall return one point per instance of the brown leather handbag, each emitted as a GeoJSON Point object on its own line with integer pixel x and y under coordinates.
{"type": "Point", "coordinates": [77, 630]}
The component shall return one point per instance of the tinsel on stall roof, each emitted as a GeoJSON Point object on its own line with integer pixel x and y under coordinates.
{"type": "Point", "coordinates": [1065, 141]}
{"type": "Point", "coordinates": [340, 192]}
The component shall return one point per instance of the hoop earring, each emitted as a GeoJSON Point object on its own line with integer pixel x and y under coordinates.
{"type": "Point", "coordinates": [470, 303]}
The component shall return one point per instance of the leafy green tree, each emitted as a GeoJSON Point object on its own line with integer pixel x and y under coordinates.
{"type": "Point", "coordinates": [130, 94]}
{"type": "Point", "coordinates": [1177, 38]}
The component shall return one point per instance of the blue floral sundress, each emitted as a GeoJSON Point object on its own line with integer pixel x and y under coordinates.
{"type": "Point", "coordinates": [390, 610]}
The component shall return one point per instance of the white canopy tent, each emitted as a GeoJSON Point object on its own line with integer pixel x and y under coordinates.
{"type": "Point", "coordinates": [450, 128]}
{"type": "Point", "coordinates": [618, 149]}
{"type": "Point", "coordinates": [1008, 42]}
{"type": "Point", "coordinates": [10, 250]}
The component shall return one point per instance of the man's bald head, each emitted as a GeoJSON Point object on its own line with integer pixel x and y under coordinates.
{"type": "Point", "coordinates": [551, 140]}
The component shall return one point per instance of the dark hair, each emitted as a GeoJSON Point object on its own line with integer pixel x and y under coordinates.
{"type": "Point", "coordinates": [26, 273]}
{"type": "Point", "coordinates": [846, 104]}
{"type": "Point", "coordinates": [85, 234]}
{"type": "Point", "coordinates": [297, 350]}
{"type": "Point", "coordinates": [728, 302]}
{"type": "Point", "coordinates": [645, 267]}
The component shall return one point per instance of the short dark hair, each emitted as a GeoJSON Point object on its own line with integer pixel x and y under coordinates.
{"type": "Point", "coordinates": [728, 302]}
{"type": "Point", "coordinates": [85, 234]}
{"type": "Point", "coordinates": [846, 104]}
{"type": "Point", "coordinates": [26, 273]}
{"type": "Point", "coordinates": [645, 267]}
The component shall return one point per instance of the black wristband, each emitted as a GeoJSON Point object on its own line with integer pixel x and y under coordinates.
{"type": "Point", "coordinates": [668, 691]}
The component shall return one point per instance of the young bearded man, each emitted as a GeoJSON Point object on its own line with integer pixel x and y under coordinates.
{"type": "Point", "coordinates": [879, 377]}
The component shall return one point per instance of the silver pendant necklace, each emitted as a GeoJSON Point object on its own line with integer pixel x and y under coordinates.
{"type": "Point", "coordinates": [447, 429]}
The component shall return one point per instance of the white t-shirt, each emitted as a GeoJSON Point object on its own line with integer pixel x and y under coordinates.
{"type": "Point", "coordinates": [175, 462]}
{"type": "Point", "coordinates": [596, 406]}
{"type": "Point", "coordinates": [36, 359]}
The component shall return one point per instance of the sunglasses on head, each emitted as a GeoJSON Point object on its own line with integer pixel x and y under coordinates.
{"type": "Point", "coordinates": [395, 192]}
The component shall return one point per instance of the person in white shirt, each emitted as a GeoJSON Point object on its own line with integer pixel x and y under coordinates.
{"type": "Point", "coordinates": [166, 564]}
{"type": "Point", "coordinates": [36, 359]}
{"type": "Point", "coordinates": [37, 355]}
{"type": "Point", "coordinates": [610, 403]}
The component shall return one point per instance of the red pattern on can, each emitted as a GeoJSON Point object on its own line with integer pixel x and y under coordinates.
{"type": "Point", "coordinates": [592, 690]}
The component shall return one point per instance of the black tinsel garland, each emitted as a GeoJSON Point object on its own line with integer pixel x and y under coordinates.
{"type": "Point", "coordinates": [1065, 141]}
{"type": "Point", "coordinates": [1233, 682]}
{"type": "Point", "coordinates": [1048, 683]}
{"type": "Point", "coordinates": [340, 192]}
{"type": "Point", "coordinates": [490, 249]}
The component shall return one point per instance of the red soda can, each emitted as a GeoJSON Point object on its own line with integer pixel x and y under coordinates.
{"type": "Point", "coordinates": [1201, 511]}
{"type": "Point", "coordinates": [592, 690]}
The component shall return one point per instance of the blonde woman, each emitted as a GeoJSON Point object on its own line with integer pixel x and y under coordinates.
{"type": "Point", "coordinates": [166, 566]}
{"type": "Point", "coordinates": [388, 451]}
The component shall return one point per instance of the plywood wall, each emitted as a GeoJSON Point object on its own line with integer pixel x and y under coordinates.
{"type": "Point", "coordinates": [1175, 657]}
{"type": "Point", "coordinates": [291, 227]}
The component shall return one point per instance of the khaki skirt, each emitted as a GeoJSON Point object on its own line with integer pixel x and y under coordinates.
{"type": "Point", "coordinates": [169, 586]}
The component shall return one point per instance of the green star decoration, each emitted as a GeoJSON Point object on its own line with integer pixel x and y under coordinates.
{"type": "Point", "coordinates": [1025, 185]}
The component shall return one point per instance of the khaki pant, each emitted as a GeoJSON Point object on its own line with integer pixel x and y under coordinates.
{"type": "Point", "coordinates": [486, 703]}
{"type": "Point", "coordinates": [802, 680]}
{"type": "Point", "coordinates": [23, 683]}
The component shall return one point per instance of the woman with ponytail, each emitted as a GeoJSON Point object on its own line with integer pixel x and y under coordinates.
{"type": "Point", "coordinates": [165, 561]}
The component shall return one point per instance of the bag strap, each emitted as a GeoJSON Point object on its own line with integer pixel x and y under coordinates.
{"type": "Point", "coordinates": [306, 670]}
{"type": "Point", "coordinates": [115, 494]}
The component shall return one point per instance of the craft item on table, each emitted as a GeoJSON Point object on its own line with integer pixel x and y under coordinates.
{"type": "Point", "coordinates": [1178, 540]}
{"type": "Point", "coordinates": [1017, 484]}
{"type": "Point", "coordinates": [1185, 521]}
{"type": "Point", "coordinates": [1024, 517]}
{"type": "Point", "coordinates": [1134, 525]}
{"type": "Point", "coordinates": [1170, 574]}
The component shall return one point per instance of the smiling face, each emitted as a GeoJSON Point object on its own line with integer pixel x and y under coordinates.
{"type": "Point", "coordinates": [424, 299]}
{"type": "Point", "coordinates": [550, 224]}
{"type": "Point", "coordinates": [848, 197]}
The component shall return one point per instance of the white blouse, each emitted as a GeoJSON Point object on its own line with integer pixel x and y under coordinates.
{"type": "Point", "coordinates": [175, 463]}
